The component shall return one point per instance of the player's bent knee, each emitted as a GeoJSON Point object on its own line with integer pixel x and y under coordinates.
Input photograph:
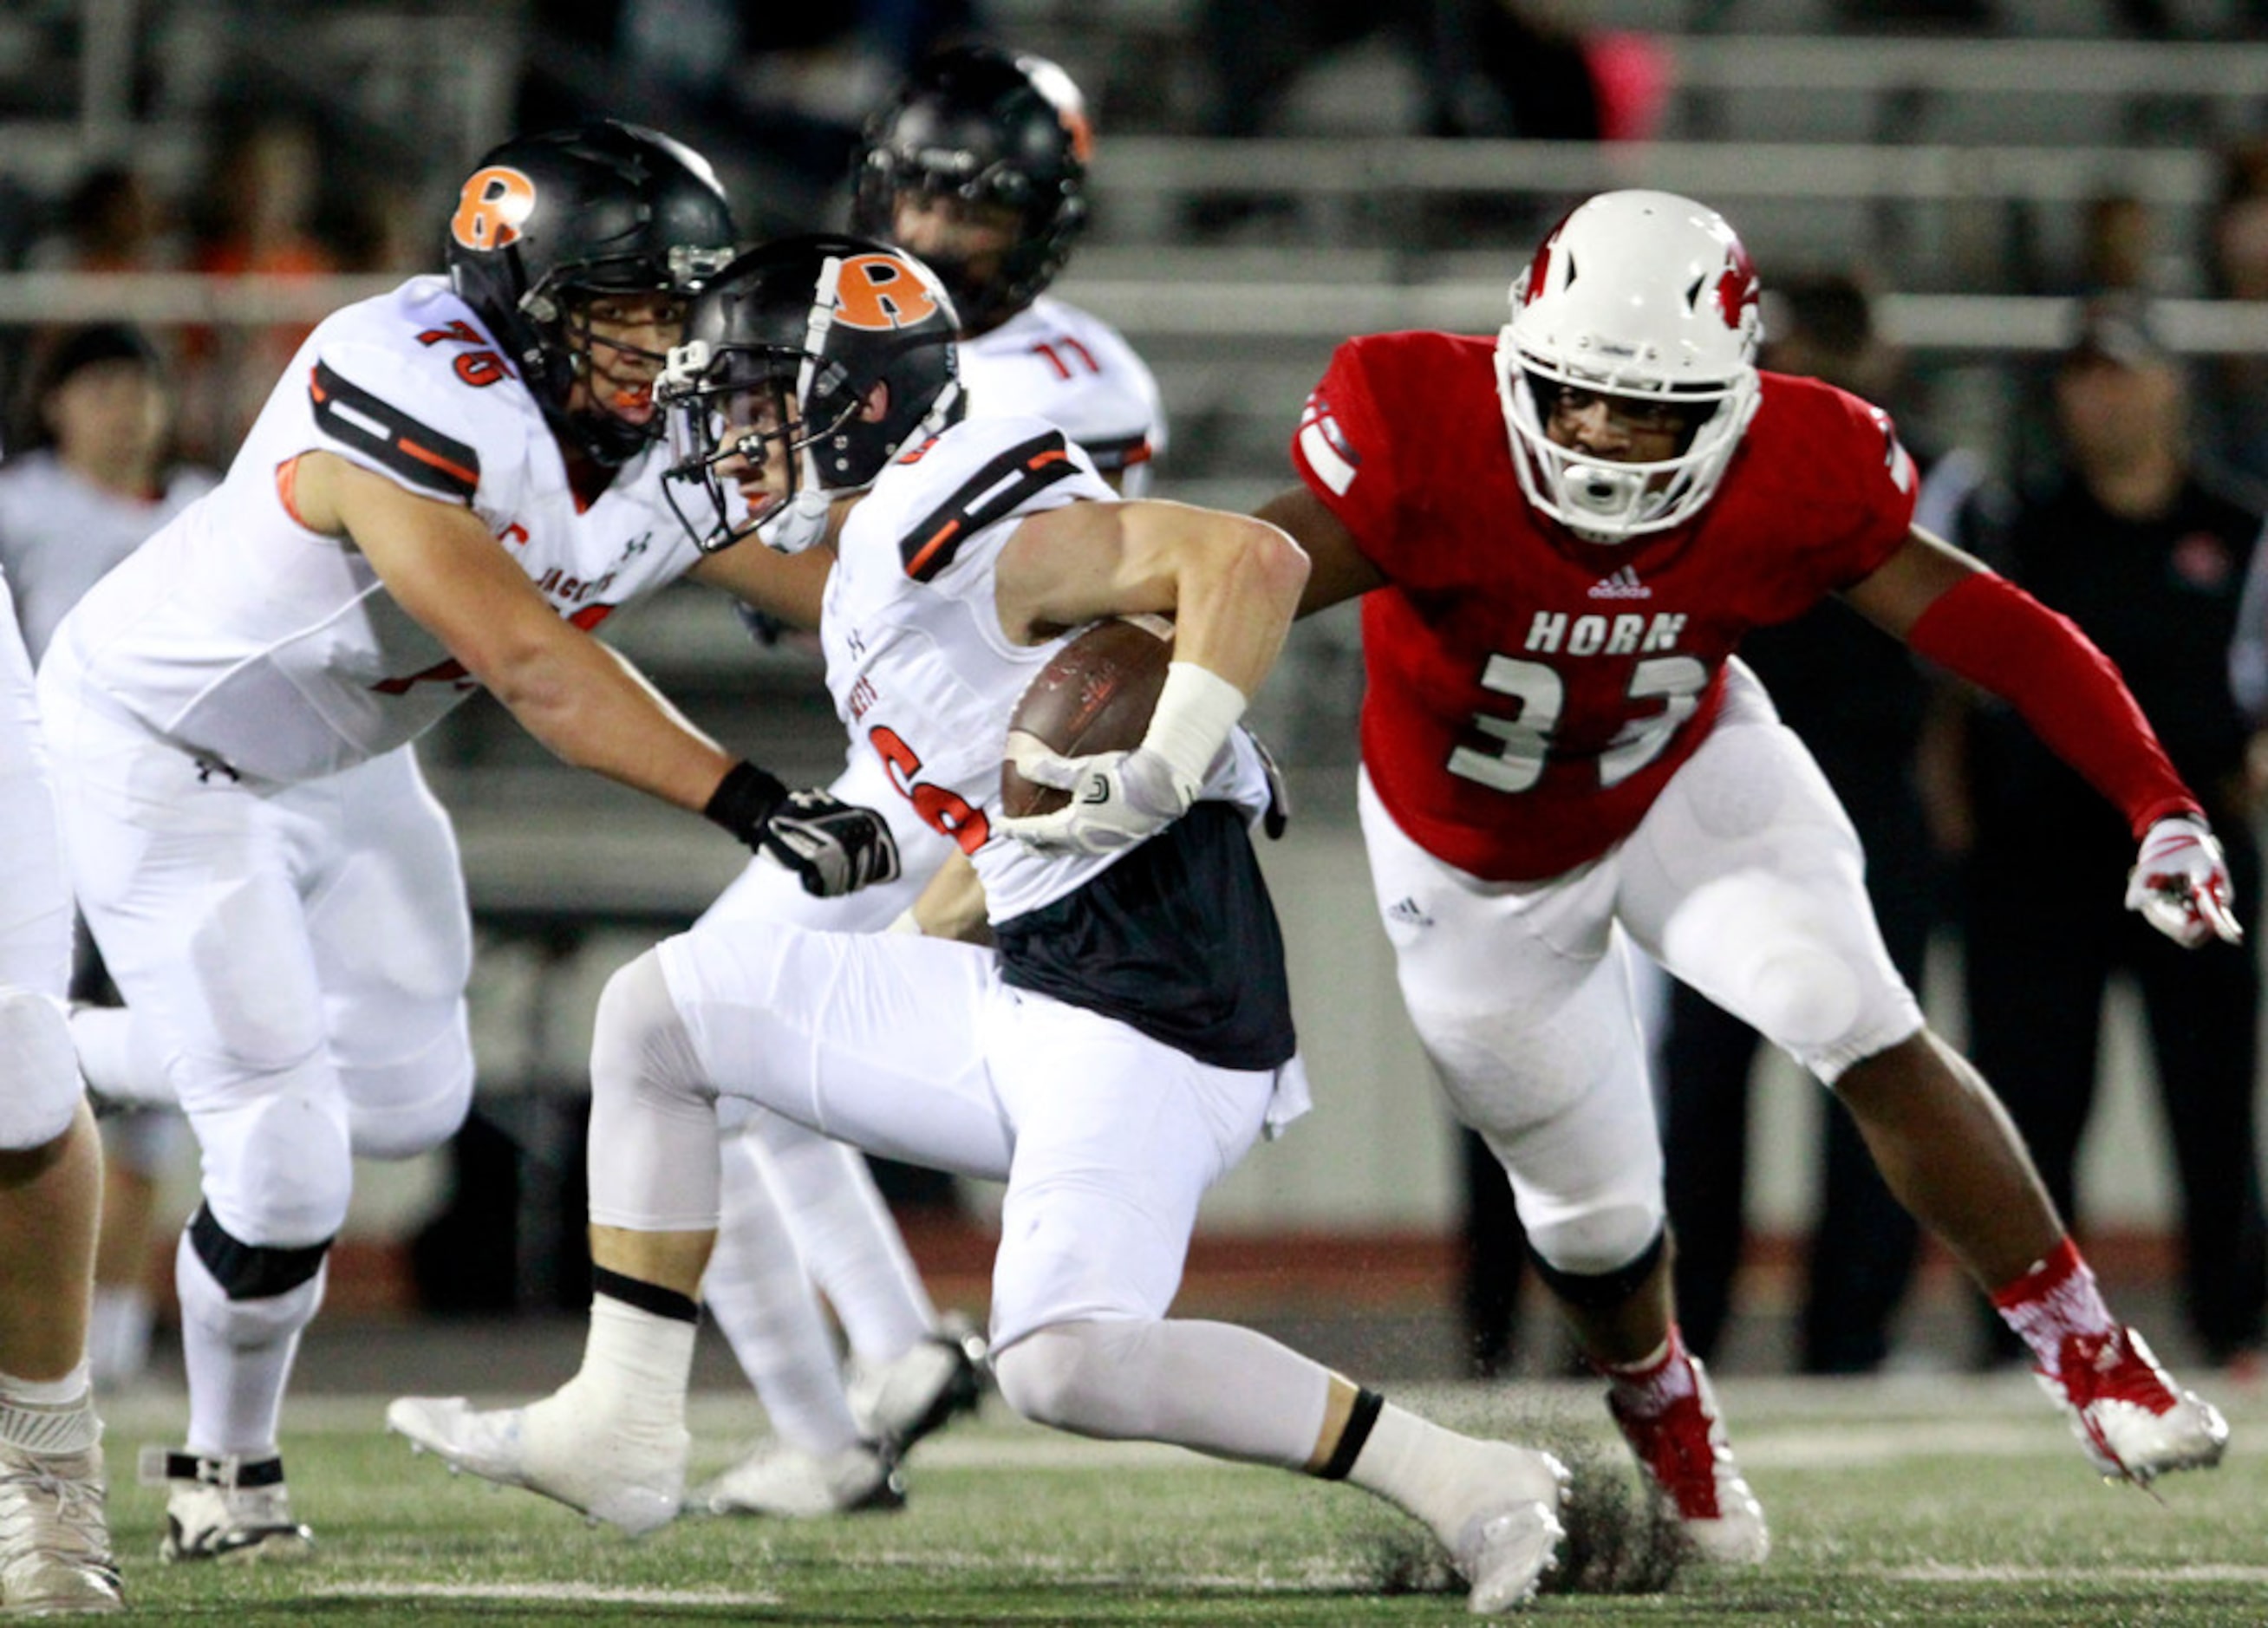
{"type": "Point", "coordinates": [405, 1108]}
{"type": "Point", "coordinates": [1599, 1243]}
{"type": "Point", "coordinates": [42, 1089]}
{"type": "Point", "coordinates": [1600, 1289]}
{"type": "Point", "coordinates": [638, 1044]}
{"type": "Point", "coordinates": [1062, 1374]}
{"type": "Point", "coordinates": [279, 1166]}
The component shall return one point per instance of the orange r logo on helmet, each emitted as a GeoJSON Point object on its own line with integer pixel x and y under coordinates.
{"type": "Point", "coordinates": [877, 292]}
{"type": "Point", "coordinates": [491, 208]}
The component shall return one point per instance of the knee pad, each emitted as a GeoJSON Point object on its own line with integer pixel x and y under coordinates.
{"type": "Point", "coordinates": [1799, 960]}
{"type": "Point", "coordinates": [241, 1315]}
{"type": "Point", "coordinates": [42, 1091]}
{"type": "Point", "coordinates": [1062, 1375]}
{"type": "Point", "coordinates": [400, 1109]}
{"type": "Point", "coordinates": [639, 1045]}
{"type": "Point", "coordinates": [1599, 1242]}
{"type": "Point", "coordinates": [278, 1164]}
{"type": "Point", "coordinates": [1598, 1291]}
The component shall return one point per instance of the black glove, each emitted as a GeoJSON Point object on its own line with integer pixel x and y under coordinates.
{"type": "Point", "coordinates": [833, 847]}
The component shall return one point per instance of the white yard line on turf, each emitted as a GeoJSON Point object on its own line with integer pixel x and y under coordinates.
{"type": "Point", "coordinates": [579, 1593]}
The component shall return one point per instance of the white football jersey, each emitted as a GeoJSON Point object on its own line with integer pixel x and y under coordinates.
{"type": "Point", "coordinates": [60, 532]}
{"type": "Point", "coordinates": [921, 672]}
{"type": "Point", "coordinates": [240, 634]}
{"type": "Point", "coordinates": [1056, 362]}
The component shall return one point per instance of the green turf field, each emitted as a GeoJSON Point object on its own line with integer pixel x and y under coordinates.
{"type": "Point", "coordinates": [1937, 1502]}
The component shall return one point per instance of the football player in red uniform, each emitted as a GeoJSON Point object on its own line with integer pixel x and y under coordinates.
{"type": "Point", "coordinates": [1562, 539]}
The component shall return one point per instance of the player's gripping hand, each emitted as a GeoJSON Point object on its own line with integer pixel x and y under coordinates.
{"type": "Point", "coordinates": [833, 847]}
{"type": "Point", "coordinates": [1117, 799]}
{"type": "Point", "coordinates": [2180, 883]}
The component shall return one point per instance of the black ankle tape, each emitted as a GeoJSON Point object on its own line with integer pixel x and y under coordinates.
{"type": "Point", "coordinates": [645, 1296]}
{"type": "Point", "coordinates": [1360, 1421]}
{"type": "Point", "coordinates": [1601, 1291]}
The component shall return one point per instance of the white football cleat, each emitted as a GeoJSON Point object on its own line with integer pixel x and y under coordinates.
{"type": "Point", "coordinates": [552, 1447]}
{"type": "Point", "coordinates": [778, 1479]}
{"type": "Point", "coordinates": [225, 1508]}
{"type": "Point", "coordinates": [1505, 1549]}
{"type": "Point", "coordinates": [2126, 1411]}
{"type": "Point", "coordinates": [1690, 1465]}
{"type": "Point", "coordinates": [54, 1544]}
{"type": "Point", "coordinates": [896, 1404]}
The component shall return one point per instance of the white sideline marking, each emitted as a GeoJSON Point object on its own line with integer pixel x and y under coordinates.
{"type": "Point", "coordinates": [578, 1594]}
{"type": "Point", "coordinates": [1935, 1573]}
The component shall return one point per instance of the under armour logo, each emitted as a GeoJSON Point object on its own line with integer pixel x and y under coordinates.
{"type": "Point", "coordinates": [208, 767]}
{"type": "Point", "coordinates": [1409, 913]}
{"type": "Point", "coordinates": [638, 545]}
{"type": "Point", "coordinates": [1623, 584]}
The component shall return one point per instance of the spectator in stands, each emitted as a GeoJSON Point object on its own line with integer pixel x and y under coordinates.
{"type": "Point", "coordinates": [111, 221]}
{"type": "Point", "coordinates": [2148, 556]}
{"type": "Point", "coordinates": [2232, 395]}
{"type": "Point", "coordinates": [1859, 703]}
{"type": "Point", "coordinates": [1525, 68]}
{"type": "Point", "coordinates": [86, 479]}
{"type": "Point", "coordinates": [265, 194]}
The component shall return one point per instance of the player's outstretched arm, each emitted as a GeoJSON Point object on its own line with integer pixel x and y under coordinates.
{"type": "Point", "coordinates": [571, 692]}
{"type": "Point", "coordinates": [1982, 627]}
{"type": "Point", "coordinates": [787, 587]}
{"type": "Point", "coordinates": [1337, 567]}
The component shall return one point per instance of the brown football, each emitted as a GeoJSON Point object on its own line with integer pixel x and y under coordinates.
{"type": "Point", "coordinates": [1095, 695]}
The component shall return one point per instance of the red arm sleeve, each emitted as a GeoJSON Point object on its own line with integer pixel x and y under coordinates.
{"type": "Point", "coordinates": [1993, 633]}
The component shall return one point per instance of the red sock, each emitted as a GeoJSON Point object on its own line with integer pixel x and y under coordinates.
{"type": "Point", "coordinates": [1648, 1387]}
{"type": "Point", "coordinates": [2056, 1299]}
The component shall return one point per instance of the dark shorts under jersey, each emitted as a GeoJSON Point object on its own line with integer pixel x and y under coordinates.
{"type": "Point", "coordinates": [1178, 939]}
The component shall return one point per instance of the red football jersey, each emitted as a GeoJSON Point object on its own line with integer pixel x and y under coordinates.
{"type": "Point", "coordinates": [1530, 693]}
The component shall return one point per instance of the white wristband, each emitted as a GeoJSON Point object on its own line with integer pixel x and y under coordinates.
{"type": "Point", "coordinates": [1194, 712]}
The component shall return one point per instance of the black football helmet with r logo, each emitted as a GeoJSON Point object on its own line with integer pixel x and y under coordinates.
{"type": "Point", "coordinates": [986, 126]}
{"type": "Point", "coordinates": [832, 353]}
{"type": "Point", "coordinates": [544, 223]}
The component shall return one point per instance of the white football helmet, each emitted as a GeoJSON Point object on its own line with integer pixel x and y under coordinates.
{"type": "Point", "coordinates": [1640, 294]}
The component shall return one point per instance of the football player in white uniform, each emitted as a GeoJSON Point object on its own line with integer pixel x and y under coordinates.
{"type": "Point", "coordinates": [90, 482]}
{"type": "Point", "coordinates": [451, 484]}
{"type": "Point", "coordinates": [978, 166]}
{"type": "Point", "coordinates": [54, 1541]}
{"type": "Point", "coordinates": [1126, 1042]}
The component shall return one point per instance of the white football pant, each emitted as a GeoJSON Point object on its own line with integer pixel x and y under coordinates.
{"type": "Point", "coordinates": [40, 1088]}
{"type": "Point", "coordinates": [1745, 879]}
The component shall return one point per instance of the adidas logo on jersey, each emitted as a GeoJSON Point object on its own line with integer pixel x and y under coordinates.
{"type": "Point", "coordinates": [1623, 584]}
{"type": "Point", "coordinates": [1409, 913]}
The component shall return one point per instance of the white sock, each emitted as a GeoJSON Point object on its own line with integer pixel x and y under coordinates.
{"type": "Point", "coordinates": [849, 1242]}
{"type": "Point", "coordinates": [759, 1295]}
{"type": "Point", "coordinates": [1437, 1475]}
{"type": "Point", "coordinates": [118, 1334]}
{"type": "Point", "coordinates": [49, 1415]}
{"type": "Point", "coordinates": [238, 1354]}
{"type": "Point", "coordinates": [636, 1366]}
{"type": "Point", "coordinates": [119, 1058]}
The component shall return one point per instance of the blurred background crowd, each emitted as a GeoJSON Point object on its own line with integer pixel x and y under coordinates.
{"type": "Point", "coordinates": [1931, 187]}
